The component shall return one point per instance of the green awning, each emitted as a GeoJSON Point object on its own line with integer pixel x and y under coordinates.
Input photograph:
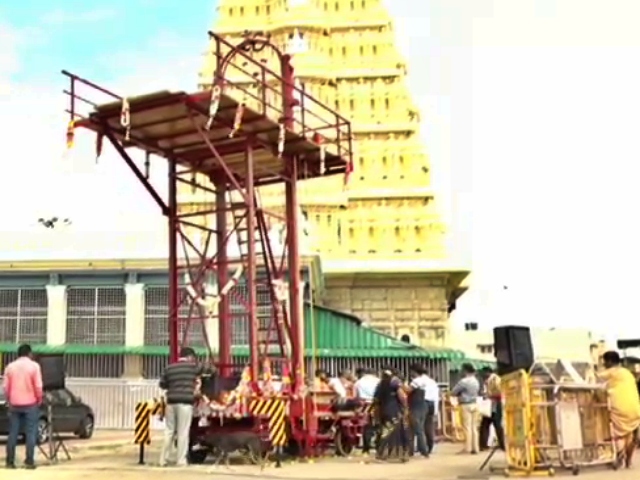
{"type": "Point", "coordinates": [417, 353]}
{"type": "Point", "coordinates": [332, 333]}
{"type": "Point", "coordinates": [477, 364]}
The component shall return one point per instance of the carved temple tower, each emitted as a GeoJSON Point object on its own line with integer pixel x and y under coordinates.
{"type": "Point", "coordinates": [382, 241]}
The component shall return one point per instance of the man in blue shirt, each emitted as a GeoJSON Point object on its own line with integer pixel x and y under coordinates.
{"type": "Point", "coordinates": [467, 391]}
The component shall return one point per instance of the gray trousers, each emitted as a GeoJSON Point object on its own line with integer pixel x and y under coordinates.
{"type": "Point", "coordinates": [178, 418]}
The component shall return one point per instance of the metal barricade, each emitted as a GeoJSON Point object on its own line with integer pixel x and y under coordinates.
{"type": "Point", "coordinates": [551, 426]}
{"type": "Point", "coordinates": [450, 421]}
{"type": "Point", "coordinates": [517, 422]}
{"type": "Point", "coordinates": [114, 400]}
{"type": "Point", "coordinates": [573, 427]}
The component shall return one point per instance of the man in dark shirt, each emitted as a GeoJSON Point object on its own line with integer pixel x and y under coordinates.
{"type": "Point", "coordinates": [179, 382]}
{"type": "Point", "coordinates": [418, 409]}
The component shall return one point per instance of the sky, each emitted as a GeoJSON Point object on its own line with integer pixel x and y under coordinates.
{"type": "Point", "coordinates": [529, 112]}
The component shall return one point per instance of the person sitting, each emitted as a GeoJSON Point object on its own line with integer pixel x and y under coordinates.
{"type": "Point", "coordinates": [342, 384]}
{"type": "Point", "coordinates": [624, 405]}
{"type": "Point", "coordinates": [321, 381]}
{"type": "Point", "coordinates": [365, 386]}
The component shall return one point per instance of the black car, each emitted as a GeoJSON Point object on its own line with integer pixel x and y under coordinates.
{"type": "Point", "coordinates": [69, 415]}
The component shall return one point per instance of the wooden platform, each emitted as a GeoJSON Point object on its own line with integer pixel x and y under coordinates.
{"type": "Point", "coordinates": [163, 123]}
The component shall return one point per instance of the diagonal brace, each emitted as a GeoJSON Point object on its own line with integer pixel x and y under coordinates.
{"type": "Point", "coordinates": [136, 171]}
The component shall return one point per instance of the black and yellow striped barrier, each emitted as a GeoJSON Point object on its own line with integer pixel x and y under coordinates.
{"type": "Point", "coordinates": [278, 424]}
{"type": "Point", "coordinates": [142, 427]}
{"type": "Point", "coordinates": [158, 407]}
{"type": "Point", "coordinates": [264, 407]}
{"type": "Point", "coordinates": [275, 410]}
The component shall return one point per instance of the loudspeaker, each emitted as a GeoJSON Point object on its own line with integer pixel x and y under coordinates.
{"type": "Point", "coordinates": [53, 371]}
{"type": "Point", "coordinates": [512, 348]}
{"type": "Point", "coordinates": [628, 343]}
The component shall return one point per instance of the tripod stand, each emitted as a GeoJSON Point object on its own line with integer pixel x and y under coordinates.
{"type": "Point", "coordinates": [55, 442]}
{"type": "Point", "coordinates": [486, 461]}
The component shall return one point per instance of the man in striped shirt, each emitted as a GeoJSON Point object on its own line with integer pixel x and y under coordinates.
{"type": "Point", "coordinates": [179, 382]}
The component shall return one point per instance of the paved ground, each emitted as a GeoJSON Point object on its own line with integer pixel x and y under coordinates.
{"type": "Point", "coordinates": [111, 454]}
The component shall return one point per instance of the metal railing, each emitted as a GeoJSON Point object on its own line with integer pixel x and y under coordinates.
{"type": "Point", "coordinates": [113, 400]}
{"type": "Point", "coordinates": [245, 74]}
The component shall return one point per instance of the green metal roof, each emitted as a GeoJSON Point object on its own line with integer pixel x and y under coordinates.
{"type": "Point", "coordinates": [477, 363]}
{"type": "Point", "coordinates": [339, 334]}
{"type": "Point", "coordinates": [328, 333]}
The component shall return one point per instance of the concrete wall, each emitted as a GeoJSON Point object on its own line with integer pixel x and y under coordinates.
{"type": "Point", "coordinates": [415, 307]}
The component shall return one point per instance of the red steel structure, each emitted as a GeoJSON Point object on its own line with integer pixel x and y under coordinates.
{"type": "Point", "coordinates": [251, 128]}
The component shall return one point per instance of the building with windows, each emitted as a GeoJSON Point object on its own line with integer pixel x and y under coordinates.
{"type": "Point", "coordinates": [109, 316]}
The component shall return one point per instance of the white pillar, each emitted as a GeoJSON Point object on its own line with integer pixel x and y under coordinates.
{"type": "Point", "coordinates": [134, 315]}
{"type": "Point", "coordinates": [56, 314]}
{"type": "Point", "coordinates": [212, 323]}
{"type": "Point", "coordinates": [213, 332]}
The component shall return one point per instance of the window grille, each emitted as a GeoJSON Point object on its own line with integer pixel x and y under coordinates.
{"type": "Point", "coordinates": [96, 315]}
{"type": "Point", "coordinates": [240, 319]}
{"type": "Point", "coordinates": [156, 318]}
{"type": "Point", "coordinates": [156, 328]}
{"type": "Point", "coordinates": [94, 366]}
{"type": "Point", "coordinates": [23, 315]}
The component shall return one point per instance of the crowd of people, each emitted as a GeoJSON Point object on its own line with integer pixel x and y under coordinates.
{"type": "Point", "coordinates": [404, 415]}
{"type": "Point", "coordinates": [405, 411]}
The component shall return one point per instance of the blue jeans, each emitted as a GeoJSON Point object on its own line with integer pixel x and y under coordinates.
{"type": "Point", "coordinates": [418, 418]}
{"type": "Point", "coordinates": [23, 420]}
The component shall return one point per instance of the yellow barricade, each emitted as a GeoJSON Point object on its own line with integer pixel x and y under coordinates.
{"type": "Point", "coordinates": [450, 421]}
{"type": "Point", "coordinates": [555, 425]}
{"type": "Point", "coordinates": [517, 422]}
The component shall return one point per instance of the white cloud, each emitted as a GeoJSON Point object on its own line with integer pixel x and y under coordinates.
{"type": "Point", "coordinates": [533, 102]}
{"type": "Point", "coordinates": [46, 180]}
{"type": "Point", "coordinates": [66, 17]}
{"type": "Point", "coordinates": [545, 120]}
{"type": "Point", "coordinates": [9, 61]}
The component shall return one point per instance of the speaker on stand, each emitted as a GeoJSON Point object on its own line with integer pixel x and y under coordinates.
{"type": "Point", "coordinates": [53, 378]}
{"type": "Point", "coordinates": [513, 349]}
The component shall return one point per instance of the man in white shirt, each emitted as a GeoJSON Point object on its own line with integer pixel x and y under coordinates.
{"type": "Point", "coordinates": [365, 388]}
{"type": "Point", "coordinates": [335, 383]}
{"type": "Point", "coordinates": [432, 397]}
{"type": "Point", "coordinates": [366, 384]}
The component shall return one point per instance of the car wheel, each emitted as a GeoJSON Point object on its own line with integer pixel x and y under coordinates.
{"type": "Point", "coordinates": [43, 431]}
{"type": "Point", "coordinates": [86, 427]}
